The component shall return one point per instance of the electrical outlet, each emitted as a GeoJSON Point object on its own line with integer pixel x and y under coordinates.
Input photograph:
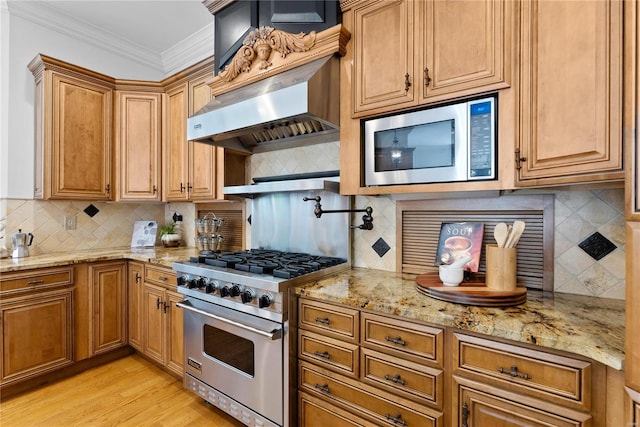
{"type": "Point", "coordinates": [70, 222]}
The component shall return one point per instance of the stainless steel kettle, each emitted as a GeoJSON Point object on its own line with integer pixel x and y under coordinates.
{"type": "Point", "coordinates": [20, 242]}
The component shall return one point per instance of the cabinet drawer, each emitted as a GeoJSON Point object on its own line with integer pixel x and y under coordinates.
{"type": "Point", "coordinates": [316, 412]}
{"type": "Point", "coordinates": [36, 279]}
{"type": "Point", "coordinates": [403, 339]}
{"type": "Point", "coordinates": [378, 406]}
{"type": "Point", "coordinates": [532, 372]}
{"type": "Point", "coordinates": [160, 276]}
{"type": "Point", "coordinates": [338, 322]}
{"type": "Point", "coordinates": [328, 352]}
{"type": "Point", "coordinates": [408, 379]}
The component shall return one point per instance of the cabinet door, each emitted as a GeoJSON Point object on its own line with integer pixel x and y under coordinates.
{"type": "Point", "coordinates": [137, 129]}
{"type": "Point", "coordinates": [571, 118]}
{"type": "Point", "coordinates": [202, 157]}
{"type": "Point", "coordinates": [632, 302]}
{"type": "Point", "coordinates": [463, 45]}
{"type": "Point", "coordinates": [135, 280]}
{"type": "Point", "coordinates": [175, 333]}
{"type": "Point", "coordinates": [175, 150]}
{"type": "Point", "coordinates": [36, 335]}
{"type": "Point", "coordinates": [383, 56]}
{"type": "Point", "coordinates": [479, 408]}
{"type": "Point", "coordinates": [108, 297]}
{"type": "Point", "coordinates": [80, 140]}
{"type": "Point", "coordinates": [153, 323]}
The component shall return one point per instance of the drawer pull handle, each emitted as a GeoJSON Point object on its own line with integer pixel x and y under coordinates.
{"type": "Point", "coordinates": [465, 415]}
{"type": "Point", "coordinates": [163, 278]}
{"type": "Point", "coordinates": [324, 387]}
{"type": "Point", "coordinates": [35, 282]}
{"type": "Point", "coordinates": [324, 320]}
{"type": "Point", "coordinates": [396, 420]}
{"type": "Point", "coordinates": [396, 379]}
{"type": "Point", "coordinates": [398, 340]}
{"type": "Point", "coordinates": [514, 372]}
{"type": "Point", "coordinates": [324, 354]}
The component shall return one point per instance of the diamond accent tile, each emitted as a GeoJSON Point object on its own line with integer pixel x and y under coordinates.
{"type": "Point", "coordinates": [597, 246]}
{"type": "Point", "coordinates": [381, 247]}
{"type": "Point", "coordinates": [91, 210]}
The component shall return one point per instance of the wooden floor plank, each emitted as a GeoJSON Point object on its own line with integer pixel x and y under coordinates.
{"type": "Point", "coordinates": [127, 392]}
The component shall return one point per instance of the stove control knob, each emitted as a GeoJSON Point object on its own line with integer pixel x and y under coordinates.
{"type": "Point", "coordinates": [235, 290]}
{"type": "Point", "coordinates": [264, 301]}
{"type": "Point", "coordinates": [225, 291]}
{"type": "Point", "coordinates": [191, 283]}
{"type": "Point", "coordinates": [181, 281]}
{"type": "Point", "coordinates": [200, 283]}
{"type": "Point", "coordinates": [247, 296]}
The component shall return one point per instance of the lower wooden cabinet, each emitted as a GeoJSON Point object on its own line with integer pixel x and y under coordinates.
{"type": "Point", "coordinates": [398, 372]}
{"type": "Point", "coordinates": [162, 320]}
{"type": "Point", "coordinates": [109, 302]}
{"type": "Point", "coordinates": [36, 334]}
{"type": "Point", "coordinates": [36, 322]}
{"type": "Point", "coordinates": [479, 405]}
{"type": "Point", "coordinates": [380, 370]}
{"type": "Point", "coordinates": [135, 283]}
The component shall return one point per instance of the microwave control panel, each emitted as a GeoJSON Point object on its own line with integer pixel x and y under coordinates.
{"type": "Point", "coordinates": [482, 139]}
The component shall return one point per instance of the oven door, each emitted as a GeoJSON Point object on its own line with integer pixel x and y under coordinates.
{"type": "Point", "coordinates": [238, 354]}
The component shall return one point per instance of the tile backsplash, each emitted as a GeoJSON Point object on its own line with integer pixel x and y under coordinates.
{"type": "Point", "coordinates": [577, 216]}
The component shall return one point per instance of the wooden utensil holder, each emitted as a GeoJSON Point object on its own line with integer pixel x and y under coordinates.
{"type": "Point", "coordinates": [501, 268]}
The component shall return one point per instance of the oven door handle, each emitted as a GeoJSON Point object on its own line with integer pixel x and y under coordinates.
{"type": "Point", "coordinates": [272, 335]}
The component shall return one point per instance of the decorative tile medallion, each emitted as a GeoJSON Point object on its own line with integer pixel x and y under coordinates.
{"type": "Point", "coordinates": [91, 210]}
{"type": "Point", "coordinates": [597, 246]}
{"type": "Point", "coordinates": [381, 247]}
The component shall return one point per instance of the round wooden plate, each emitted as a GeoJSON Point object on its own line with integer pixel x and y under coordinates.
{"type": "Point", "coordinates": [473, 292]}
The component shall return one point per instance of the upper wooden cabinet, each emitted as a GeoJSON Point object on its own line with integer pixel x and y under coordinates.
{"type": "Point", "coordinates": [137, 129]}
{"type": "Point", "coordinates": [409, 53]}
{"type": "Point", "coordinates": [73, 109]}
{"type": "Point", "coordinates": [571, 92]}
{"type": "Point", "coordinates": [189, 168]}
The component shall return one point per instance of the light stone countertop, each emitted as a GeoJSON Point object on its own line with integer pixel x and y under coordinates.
{"type": "Point", "coordinates": [157, 255]}
{"type": "Point", "coordinates": [588, 326]}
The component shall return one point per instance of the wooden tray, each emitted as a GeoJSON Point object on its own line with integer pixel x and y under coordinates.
{"type": "Point", "coordinates": [473, 292]}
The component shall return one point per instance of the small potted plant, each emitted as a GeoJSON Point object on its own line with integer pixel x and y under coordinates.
{"type": "Point", "coordinates": [169, 236]}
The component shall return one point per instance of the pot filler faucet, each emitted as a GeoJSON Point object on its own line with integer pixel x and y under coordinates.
{"type": "Point", "coordinates": [367, 219]}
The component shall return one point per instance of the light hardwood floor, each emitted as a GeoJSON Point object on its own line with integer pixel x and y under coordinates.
{"type": "Point", "coordinates": [127, 392]}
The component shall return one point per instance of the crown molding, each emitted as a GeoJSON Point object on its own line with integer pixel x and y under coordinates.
{"type": "Point", "coordinates": [195, 48]}
{"type": "Point", "coordinates": [189, 51]}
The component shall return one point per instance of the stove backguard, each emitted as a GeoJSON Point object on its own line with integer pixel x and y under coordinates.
{"type": "Point", "coordinates": [283, 221]}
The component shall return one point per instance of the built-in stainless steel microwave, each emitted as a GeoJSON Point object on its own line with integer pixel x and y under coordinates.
{"type": "Point", "coordinates": [450, 143]}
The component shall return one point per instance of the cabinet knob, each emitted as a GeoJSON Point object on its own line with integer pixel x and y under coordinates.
{"type": "Point", "coordinates": [182, 188]}
{"type": "Point", "coordinates": [465, 415]}
{"type": "Point", "coordinates": [427, 79]}
{"type": "Point", "coordinates": [138, 277]}
{"type": "Point", "coordinates": [519, 159]}
{"type": "Point", "coordinates": [407, 83]}
{"type": "Point", "coordinates": [155, 189]}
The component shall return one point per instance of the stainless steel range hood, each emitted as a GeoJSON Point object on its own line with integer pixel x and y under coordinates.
{"type": "Point", "coordinates": [297, 107]}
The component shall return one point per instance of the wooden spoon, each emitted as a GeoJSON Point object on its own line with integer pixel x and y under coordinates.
{"type": "Point", "coordinates": [516, 233]}
{"type": "Point", "coordinates": [500, 233]}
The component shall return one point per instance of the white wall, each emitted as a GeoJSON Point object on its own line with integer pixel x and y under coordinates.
{"type": "Point", "coordinates": [21, 41]}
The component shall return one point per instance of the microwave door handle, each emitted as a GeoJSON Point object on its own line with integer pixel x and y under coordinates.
{"type": "Point", "coordinates": [272, 335]}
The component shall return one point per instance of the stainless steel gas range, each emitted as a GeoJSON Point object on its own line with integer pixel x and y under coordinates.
{"type": "Point", "coordinates": [235, 304]}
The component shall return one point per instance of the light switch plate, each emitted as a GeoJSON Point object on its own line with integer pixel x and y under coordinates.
{"type": "Point", "coordinates": [70, 222]}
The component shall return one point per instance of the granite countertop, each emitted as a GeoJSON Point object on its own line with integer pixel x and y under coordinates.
{"type": "Point", "coordinates": [157, 255]}
{"type": "Point", "coordinates": [588, 326]}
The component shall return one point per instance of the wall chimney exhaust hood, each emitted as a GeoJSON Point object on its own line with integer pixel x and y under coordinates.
{"type": "Point", "coordinates": [297, 107]}
{"type": "Point", "coordinates": [281, 90]}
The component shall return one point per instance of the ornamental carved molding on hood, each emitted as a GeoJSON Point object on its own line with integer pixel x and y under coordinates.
{"type": "Point", "coordinates": [267, 51]}
{"type": "Point", "coordinates": [260, 44]}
